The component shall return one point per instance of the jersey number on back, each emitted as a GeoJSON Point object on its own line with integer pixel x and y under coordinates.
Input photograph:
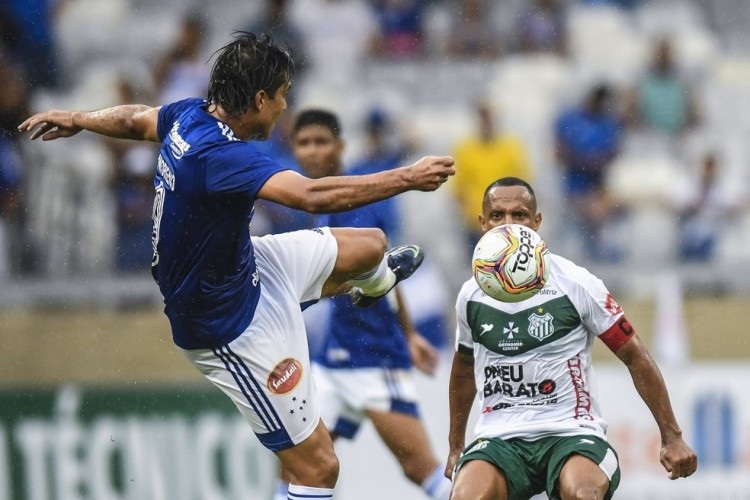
{"type": "Point", "coordinates": [156, 214]}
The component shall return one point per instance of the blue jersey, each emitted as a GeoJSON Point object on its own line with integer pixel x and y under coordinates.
{"type": "Point", "coordinates": [364, 337]}
{"type": "Point", "coordinates": [206, 183]}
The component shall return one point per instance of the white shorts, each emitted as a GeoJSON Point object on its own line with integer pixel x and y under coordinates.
{"type": "Point", "coordinates": [345, 394]}
{"type": "Point", "coordinates": [266, 370]}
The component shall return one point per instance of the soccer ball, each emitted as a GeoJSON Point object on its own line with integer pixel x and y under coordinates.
{"type": "Point", "coordinates": [511, 263]}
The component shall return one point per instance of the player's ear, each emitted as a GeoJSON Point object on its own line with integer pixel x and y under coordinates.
{"type": "Point", "coordinates": [537, 221]}
{"type": "Point", "coordinates": [480, 218]}
{"type": "Point", "coordinates": [260, 99]}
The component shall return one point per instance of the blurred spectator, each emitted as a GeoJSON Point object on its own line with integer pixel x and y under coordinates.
{"type": "Point", "coordinates": [337, 34]}
{"type": "Point", "coordinates": [481, 158]}
{"type": "Point", "coordinates": [276, 21]}
{"type": "Point", "coordinates": [133, 187]}
{"type": "Point", "coordinates": [704, 206]}
{"type": "Point", "coordinates": [663, 100]}
{"type": "Point", "coordinates": [384, 148]}
{"type": "Point", "coordinates": [587, 140]}
{"type": "Point", "coordinates": [473, 33]}
{"type": "Point", "coordinates": [27, 31]}
{"type": "Point", "coordinates": [181, 72]}
{"type": "Point", "coordinates": [10, 201]}
{"type": "Point", "coordinates": [401, 31]}
{"type": "Point", "coordinates": [13, 110]}
{"type": "Point", "coordinates": [542, 27]}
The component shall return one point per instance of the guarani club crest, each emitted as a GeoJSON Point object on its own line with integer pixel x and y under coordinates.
{"type": "Point", "coordinates": [540, 325]}
{"type": "Point", "coordinates": [512, 334]}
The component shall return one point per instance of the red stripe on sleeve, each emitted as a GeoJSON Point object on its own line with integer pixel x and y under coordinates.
{"type": "Point", "coordinates": [618, 335]}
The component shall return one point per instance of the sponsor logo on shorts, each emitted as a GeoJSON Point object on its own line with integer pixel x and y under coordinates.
{"type": "Point", "coordinates": [285, 376]}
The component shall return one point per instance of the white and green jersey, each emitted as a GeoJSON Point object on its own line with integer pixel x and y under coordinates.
{"type": "Point", "coordinates": [532, 359]}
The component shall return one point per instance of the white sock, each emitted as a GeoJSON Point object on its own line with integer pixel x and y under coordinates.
{"type": "Point", "coordinates": [376, 281]}
{"type": "Point", "coordinates": [437, 486]}
{"type": "Point", "coordinates": [281, 490]}
{"type": "Point", "coordinates": [309, 493]}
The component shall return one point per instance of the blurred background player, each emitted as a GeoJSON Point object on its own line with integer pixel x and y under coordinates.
{"type": "Point", "coordinates": [364, 367]}
{"type": "Point", "coordinates": [540, 429]}
{"type": "Point", "coordinates": [181, 72]}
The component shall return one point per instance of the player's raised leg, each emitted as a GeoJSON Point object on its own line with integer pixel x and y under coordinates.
{"type": "Point", "coordinates": [359, 250]}
{"type": "Point", "coordinates": [364, 265]}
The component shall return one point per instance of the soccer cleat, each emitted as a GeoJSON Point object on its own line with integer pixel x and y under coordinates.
{"type": "Point", "coordinates": [403, 261]}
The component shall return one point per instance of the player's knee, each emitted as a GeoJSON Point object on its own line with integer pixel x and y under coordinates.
{"type": "Point", "coordinates": [328, 470]}
{"type": "Point", "coordinates": [416, 471]}
{"type": "Point", "coordinates": [376, 241]}
{"type": "Point", "coordinates": [461, 492]}
{"type": "Point", "coordinates": [372, 244]}
{"type": "Point", "coordinates": [360, 249]}
{"type": "Point", "coordinates": [325, 466]}
{"type": "Point", "coordinates": [581, 492]}
{"type": "Point", "coordinates": [320, 471]}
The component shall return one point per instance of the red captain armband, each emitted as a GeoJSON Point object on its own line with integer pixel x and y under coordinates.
{"type": "Point", "coordinates": [618, 335]}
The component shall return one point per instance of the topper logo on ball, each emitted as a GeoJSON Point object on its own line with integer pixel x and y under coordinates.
{"type": "Point", "coordinates": [523, 257]}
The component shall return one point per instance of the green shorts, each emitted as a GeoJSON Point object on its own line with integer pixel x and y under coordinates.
{"type": "Point", "coordinates": [531, 467]}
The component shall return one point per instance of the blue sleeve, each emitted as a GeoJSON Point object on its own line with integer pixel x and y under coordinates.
{"type": "Point", "coordinates": [10, 165]}
{"type": "Point", "coordinates": [168, 114]}
{"type": "Point", "coordinates": [239, 168]}
{"type": "Point", "coordinates": [380, 214]}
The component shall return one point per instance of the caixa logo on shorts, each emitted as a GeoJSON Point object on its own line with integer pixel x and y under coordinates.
{"type": "Point", "coordinates": [285, 376]}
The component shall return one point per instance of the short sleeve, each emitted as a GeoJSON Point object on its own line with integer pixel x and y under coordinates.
{"type": "Point", "coordinates": [169, 113]}
{"type": "Point", "coordinates": [464, 340]}
{"type": "Point", "coordinates": [598, 309]}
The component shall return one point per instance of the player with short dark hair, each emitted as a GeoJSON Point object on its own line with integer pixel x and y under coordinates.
{"type": "Point", "coordinates": [364, 369]}
{"type": "Point", "coordinates": [233, 301]}
{"type": "Point", "coordinates": [540, 429]}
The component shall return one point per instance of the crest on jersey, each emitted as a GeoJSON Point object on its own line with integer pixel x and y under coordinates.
{"type": "Point", "coordinates": [540, 325]}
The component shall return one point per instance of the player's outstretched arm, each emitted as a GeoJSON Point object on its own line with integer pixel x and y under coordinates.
{"type": "Point", "coordinates": [676, 456]}
{"type": "Point", "coordinates": [130, 121]}
{"type": "Point", "coordinates": [461, 394]}
{"type": "Point", "coordinates": [339, 193]}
